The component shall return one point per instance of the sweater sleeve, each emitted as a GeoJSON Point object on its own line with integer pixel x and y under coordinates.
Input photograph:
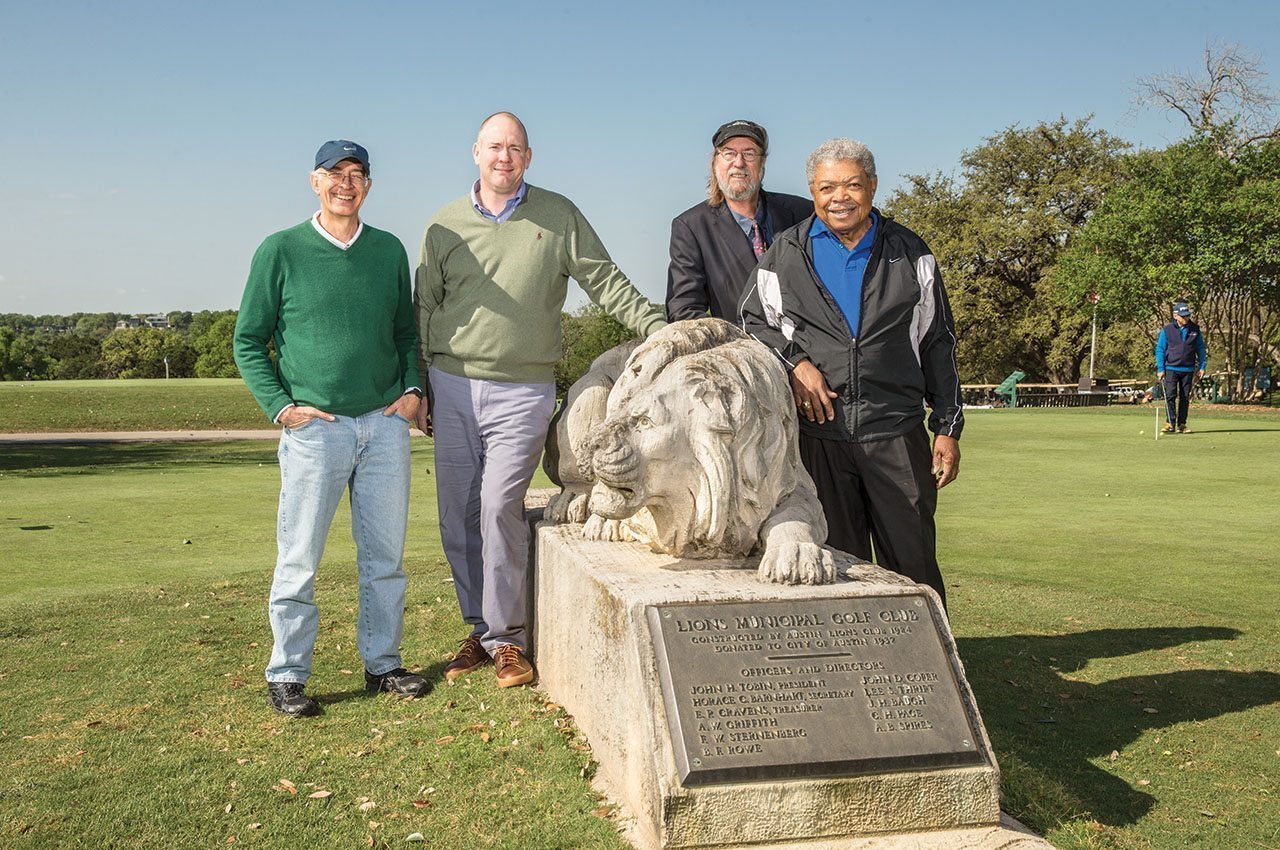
{"type": "Point", "coordinates": [256, 326]}
{"type": "Point", "coordinates": [1160, 346]}
{"type": "Point", "coordinates": [428, 294]}
{"type": "Point", "coordinates": [405, 328]}
{"type": "Point", "coordinates": [599, 276]}
{"type": "Point", "coordinates": [1202, 351]}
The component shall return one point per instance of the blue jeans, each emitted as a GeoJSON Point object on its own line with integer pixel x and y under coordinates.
{"type": "Point", "coordinates": [369, 455]}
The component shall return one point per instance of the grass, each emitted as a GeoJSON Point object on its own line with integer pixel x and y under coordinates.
{"type": "Point", "coordinates": [138, 405]}
{"type": "Point", "coordinates": [1112, 595]}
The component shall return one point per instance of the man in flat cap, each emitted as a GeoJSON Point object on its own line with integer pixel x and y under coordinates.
{"type": "Point", "coordinates": [334, 296]}
{"type": "Point", "coordinates": [716, 244]}
{"type": "Point", "coordinates": [1181, 356]}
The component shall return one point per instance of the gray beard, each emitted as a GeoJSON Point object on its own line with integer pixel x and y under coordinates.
{"type": "Point", "coordinates": [744, 195]}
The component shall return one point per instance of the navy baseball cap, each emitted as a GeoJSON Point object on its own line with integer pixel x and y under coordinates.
{"type": "Point", "coordinates": [332, 153]}
{"type": "Point", "coordinates": [749, 129]}
{"type": "Point", "coordinates": [1181, 309]}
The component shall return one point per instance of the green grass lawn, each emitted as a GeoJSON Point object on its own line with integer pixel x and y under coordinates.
{"type": "Point", "coordinates": [1113, 597]}
{"type": "Point", "coordinates": [138, 405]}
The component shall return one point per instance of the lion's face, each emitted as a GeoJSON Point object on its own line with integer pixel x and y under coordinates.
{"type": "Point", "coordinates": [641, 448]}
{"type": "Point", "coordinates": [698, 449]}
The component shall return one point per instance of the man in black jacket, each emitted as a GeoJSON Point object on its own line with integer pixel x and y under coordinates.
{"type": "Point", "coordinates": [716, 244]}
{"type": "Point", "coordinates": [853, 305]}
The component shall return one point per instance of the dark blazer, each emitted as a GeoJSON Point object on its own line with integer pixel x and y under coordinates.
{"type": "Point", "coordinates": [711, 258]}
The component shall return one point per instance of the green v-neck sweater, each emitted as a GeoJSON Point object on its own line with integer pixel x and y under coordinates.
{"type": "Point", "coordinates": [342, 322]}
{"type": "Point", "coordinates": [489, 294]}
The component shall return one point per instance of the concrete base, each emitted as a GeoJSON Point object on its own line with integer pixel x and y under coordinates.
{"type": "Point", "coordinates": [596, 657]}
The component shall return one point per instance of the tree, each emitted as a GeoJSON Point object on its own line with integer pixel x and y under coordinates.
{"type": "Point", "coordinates": [214, 348]}
{"type": "Point", "coordinates": [140, 353]}
{"type": "Point", "coordinates": [96, 325]}
{"type": "Point", "coordinates": [29, 356]}
{"type": "Point", "coordinates": [588, 333]}
{"type": "Point", "coordinates": [1190, 223]}
{"type": "Point", "coordinates": [73, 356]}
{"type": "Point", "coordinates": [998, 231]}
{"type": "Point", "coordinates": [1230, 103]}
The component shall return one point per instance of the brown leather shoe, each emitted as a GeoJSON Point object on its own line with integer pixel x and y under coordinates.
{"type": "Point", "coordinates": [513, 668]}
{"type": "Point", "coordinates": [470, 655]}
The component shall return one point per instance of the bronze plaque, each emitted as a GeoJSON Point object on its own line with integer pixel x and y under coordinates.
{"type": "Point", "coordinates": [815, 687]}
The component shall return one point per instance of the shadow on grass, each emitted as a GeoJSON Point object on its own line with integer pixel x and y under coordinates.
{"type": "Point", "coordinates": [433, 673]}
{"type": "Point", "coordinates": [91, 458]}
{"type": "Point", "coordinates": [1052, 725]}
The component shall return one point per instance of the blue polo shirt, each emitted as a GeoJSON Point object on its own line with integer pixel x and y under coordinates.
{"type": "Point", "coordinates": [840, 269]}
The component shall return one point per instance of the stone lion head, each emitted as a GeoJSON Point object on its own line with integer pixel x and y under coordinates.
{"type": "Point", "coordinates": [705, 441]}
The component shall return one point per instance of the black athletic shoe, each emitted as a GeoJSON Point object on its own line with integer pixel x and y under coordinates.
{"type": "Point", "coordinates": [399, 681]}
{"type": "Point", "coordinates": [288, 699]}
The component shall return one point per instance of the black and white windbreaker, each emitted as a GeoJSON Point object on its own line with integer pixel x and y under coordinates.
{"type": "Point", "coordinates": [903, 355]}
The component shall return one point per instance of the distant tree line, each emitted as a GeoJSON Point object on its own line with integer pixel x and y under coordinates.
{"type": "Point", "coordinates": [90, 345]}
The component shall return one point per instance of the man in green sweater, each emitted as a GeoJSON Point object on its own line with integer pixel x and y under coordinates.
{"type": "Point", "coordinates": [334, 296]}
{"type": "Point", "coordinates": [491, 283]}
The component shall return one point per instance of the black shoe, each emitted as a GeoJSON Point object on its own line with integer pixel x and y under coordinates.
{"type": "Point", "coordinates": [288, 699]}
{"type": "Point", "coordinates": [399, 681]}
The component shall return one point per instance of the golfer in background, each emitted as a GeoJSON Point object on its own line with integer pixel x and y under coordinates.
{"type": "Point", "coordinates": [1180, 360]}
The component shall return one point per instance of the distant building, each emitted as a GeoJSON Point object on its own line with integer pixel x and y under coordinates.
{"type": "Point", "coordinates": [157, 321]}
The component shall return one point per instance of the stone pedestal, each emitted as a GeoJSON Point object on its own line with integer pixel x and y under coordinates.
{"type": "Point", "coordinates": [746, 745]}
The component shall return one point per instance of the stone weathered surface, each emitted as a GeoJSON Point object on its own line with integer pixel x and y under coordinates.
{"type": "Point", "coordinates": [690, 446]}
{"type": "Point", "coordinates": [596, 657]}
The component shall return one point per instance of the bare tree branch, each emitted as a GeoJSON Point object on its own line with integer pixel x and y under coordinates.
{"type": "Point", "coordinates": [1230, 99]}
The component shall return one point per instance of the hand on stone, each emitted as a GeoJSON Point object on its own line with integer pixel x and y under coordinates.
{"type": "Point", "coordinates": [797, 563]}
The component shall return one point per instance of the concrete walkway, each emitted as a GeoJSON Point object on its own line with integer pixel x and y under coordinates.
{"type": "Point", "coordinates": [147, 436]}
{"type": "Point", "coordinates": [137, 436]}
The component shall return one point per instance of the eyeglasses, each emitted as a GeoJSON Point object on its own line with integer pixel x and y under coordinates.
{"type": "Point", "coordinates": [355, 178]}
{"type": "Point", "coordinates": [748, 157]}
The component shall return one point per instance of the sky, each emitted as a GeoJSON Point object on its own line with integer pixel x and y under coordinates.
{"type": "Point", "coordinates": [150, 147]}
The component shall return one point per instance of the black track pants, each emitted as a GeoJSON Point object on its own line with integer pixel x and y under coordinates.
{"type": "Point", "coordinates": [881, 492]}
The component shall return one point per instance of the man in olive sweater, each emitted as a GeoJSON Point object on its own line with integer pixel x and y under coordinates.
{"type": "Point", "coordinates": [491, 283]}
{"type": "Point", "coordinates": [334, 296]}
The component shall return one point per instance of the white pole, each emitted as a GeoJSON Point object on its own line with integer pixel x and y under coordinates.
{"type": "Point", "coordinates": [1093, 340]}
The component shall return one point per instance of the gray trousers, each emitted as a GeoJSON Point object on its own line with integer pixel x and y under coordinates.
{"type": "Point", "coordinates": [489, 437]}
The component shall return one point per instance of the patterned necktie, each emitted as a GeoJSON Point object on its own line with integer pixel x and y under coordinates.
{"type": "Point", "coordinates": [757, 240]}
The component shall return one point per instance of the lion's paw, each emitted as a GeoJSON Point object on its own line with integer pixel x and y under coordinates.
{"type": "Point", "coordinates": [599, 528]}
{"type": "Point", "coordinates": [797, 563]}
{"type": "Point", "coordinates": [577, 510]}
{"type": "Point", "coordinates": [557, 509]}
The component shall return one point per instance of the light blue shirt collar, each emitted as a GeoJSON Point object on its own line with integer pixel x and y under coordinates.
{"type": "Point", "coordinates": [506, 212]}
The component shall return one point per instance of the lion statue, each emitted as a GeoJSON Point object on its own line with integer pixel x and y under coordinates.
{"type": "Point", "coordinates": [687, 442]}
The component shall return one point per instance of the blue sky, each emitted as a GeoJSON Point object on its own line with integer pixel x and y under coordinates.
{"type": "Point", "coordinates": [151, 146]}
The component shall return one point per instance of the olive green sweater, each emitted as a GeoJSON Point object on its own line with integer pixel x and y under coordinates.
{"type": "Point", "coordinates": [342, 322]}
{"type": "Point", "coordinates": [489, 295]}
